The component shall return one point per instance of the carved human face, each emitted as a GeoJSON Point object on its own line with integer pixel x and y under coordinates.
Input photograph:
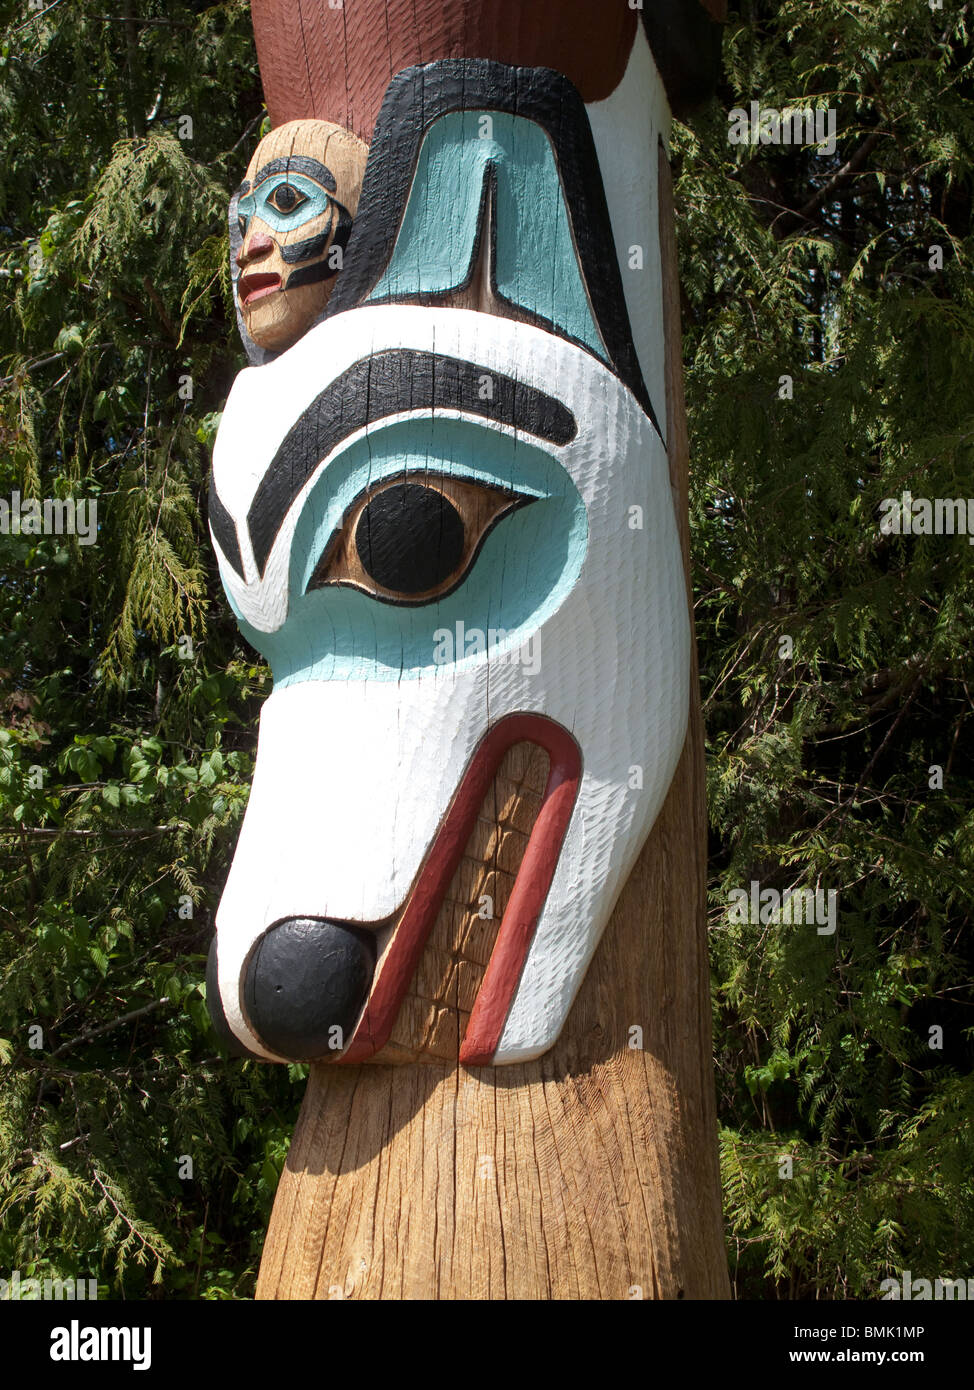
{"type": "Point", "coordinates": [289, 222]}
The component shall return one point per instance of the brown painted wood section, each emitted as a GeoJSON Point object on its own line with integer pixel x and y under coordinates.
{"type": "Point", "coordinates": [304, 47]}
{"type": "Point", "coordinates": [590, 1173]}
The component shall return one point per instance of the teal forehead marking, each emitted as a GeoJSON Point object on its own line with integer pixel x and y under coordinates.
{"type": "Point", "coordinates": [536, 265]}
{"type": "Point", "coordinates": [528, 565]}
{"type": "Point", "coordinates": [257, 204]}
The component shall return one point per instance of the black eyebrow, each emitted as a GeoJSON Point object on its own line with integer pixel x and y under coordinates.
{"type": "Point", "coordinates": [415, 99]}
{"type": "Point", "coordinates": [223, 528]}
{"type": "Point", "coordinates": [298, 164]}
{"type": "Point", "coordinates": [390, 383]}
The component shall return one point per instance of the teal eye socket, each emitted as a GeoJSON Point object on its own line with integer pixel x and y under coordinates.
{"type": "Point", "coordinates": [285, 202]}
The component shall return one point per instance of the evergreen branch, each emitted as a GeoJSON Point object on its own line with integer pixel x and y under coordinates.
{"type": "Point", "coordinates": [850, 167]}
{"type": "Point", "coordinates": [160, 309]}
{"type": "Point", "coordinates": [56, 832]}
{"type": "Point", "coordinates": [35, 17]}
{"type": "Point", "coordinates": [108, 1027]}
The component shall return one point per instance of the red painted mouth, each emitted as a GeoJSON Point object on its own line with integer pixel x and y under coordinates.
{"type": "Point", "coordinates": [400, 957]}
{"type": "Point", "coordinates": [257, 285]}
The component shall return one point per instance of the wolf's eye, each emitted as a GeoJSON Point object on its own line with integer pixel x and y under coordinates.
{"type": "Point", "coordinates": [286, 198]}
{"type": "Point", "coordinates": [412, 538]}
{"type": "Point", "coordinates": [409, 538]}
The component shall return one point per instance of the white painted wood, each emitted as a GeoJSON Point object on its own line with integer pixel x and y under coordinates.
{"type": "Point", "coordinates": [627, 127]}
{"type": "Point", "coordinates": [354, 776]}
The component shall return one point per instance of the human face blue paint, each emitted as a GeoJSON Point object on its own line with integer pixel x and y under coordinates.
{"type": "Point", "coordinates": [284, 202]}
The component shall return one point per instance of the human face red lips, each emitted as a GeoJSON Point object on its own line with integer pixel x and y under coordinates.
{"type": "Point", "coordinates": [257, 285]}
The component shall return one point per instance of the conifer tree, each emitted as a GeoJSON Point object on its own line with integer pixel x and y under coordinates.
{"type": "Point", "coordinates": [829, 345]}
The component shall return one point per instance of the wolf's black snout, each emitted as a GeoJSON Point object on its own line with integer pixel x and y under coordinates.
{"type": "Point", "coordinates": [305, 983]}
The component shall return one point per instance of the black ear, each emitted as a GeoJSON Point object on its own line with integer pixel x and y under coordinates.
{"type": "Point", "coordinates": [685, 40]}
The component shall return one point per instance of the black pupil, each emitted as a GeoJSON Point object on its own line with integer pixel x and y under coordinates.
{"type": "Point", "coordinates": [285, 197]}
{"type": "Point", "coordinates": [410, 538]}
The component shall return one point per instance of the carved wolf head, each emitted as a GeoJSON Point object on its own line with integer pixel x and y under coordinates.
{"type": "Point", "coordinates": [444, 516]}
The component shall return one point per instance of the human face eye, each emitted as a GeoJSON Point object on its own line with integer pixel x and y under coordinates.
{"type": "Point", "coordinates": [285, 199]}
{"type": "Point", "coordinates": [289, 200]}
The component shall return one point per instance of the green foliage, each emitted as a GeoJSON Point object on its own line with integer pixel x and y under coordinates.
{"type": "Point", "coordinates": [129, 703]}
{"type": "Point", "coordinates": [816, 268]}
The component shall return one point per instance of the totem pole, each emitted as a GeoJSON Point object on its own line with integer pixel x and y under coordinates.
{"type": "Point", "coordinates": [449, 503]}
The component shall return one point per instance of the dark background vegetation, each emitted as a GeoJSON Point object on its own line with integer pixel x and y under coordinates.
{"type": "Point", "coordinates": [128, 703]}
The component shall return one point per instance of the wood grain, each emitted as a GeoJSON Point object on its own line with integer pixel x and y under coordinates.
{"type": "Point", "coordinates": [302, 47]}
{"type": "Point", "coordinates": [590, 1173]}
